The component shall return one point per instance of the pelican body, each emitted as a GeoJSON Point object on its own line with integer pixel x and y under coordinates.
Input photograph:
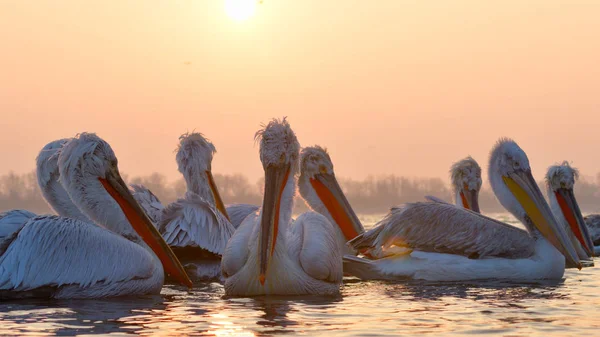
{"type": "Point", "coordinates": [446, 243]}
{"type": "Point", "coordinates": [196, 226]}
{"type": "Point", "coordinates": [270, 255]}
{"type": "Point", "coordinates": [58, 257]}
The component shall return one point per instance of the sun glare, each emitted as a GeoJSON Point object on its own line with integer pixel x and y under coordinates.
{"type": "Point", "coordinates": [240, 10]}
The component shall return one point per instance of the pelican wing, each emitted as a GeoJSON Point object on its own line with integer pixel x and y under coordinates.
{"type": "Point", "coordinates": [313, 241]}
{"type": "Point", "coordinates": [193, 222]}
{"type": "Point", "coordinates": [238, 212]}
{"type": "Point", "coordinates": [51, 251]}
{"type": "Point", "coordinates": [593, 224]}
{"type": "Point", "coordinates": [11, 223]}
{"type": "Point", "coordinates": [149, 202]}
{"type": "Point", "coordinates": [444, 228]}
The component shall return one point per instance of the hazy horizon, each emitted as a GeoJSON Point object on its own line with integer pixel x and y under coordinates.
{"type": "Point", "coordinates": [392, 87]}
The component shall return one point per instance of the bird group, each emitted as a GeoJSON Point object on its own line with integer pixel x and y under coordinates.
{"type": "Point", "coordinates": [110, 239]}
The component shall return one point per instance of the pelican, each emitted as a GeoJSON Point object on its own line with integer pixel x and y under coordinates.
{"type": "Point", "coordinates": [450, 243]}
{"type": "Point", "coordinates": [269, 255]}
{"type": "Point", "coordinates": [196, 226]}
{"type": "Point", "coordinates": [322, 193]}
{"type": "Point", "coordinates": [50, 186]}
{"type": "Point", "coordinates": [560, 180]}
{"type": "Point", "coordinates": [57, 257]}
{"type": "Point", "coordinates": [465, 175]}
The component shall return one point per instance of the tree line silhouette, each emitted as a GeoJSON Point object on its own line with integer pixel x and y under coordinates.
{"type": "Point", "coordinates": [372, 195]}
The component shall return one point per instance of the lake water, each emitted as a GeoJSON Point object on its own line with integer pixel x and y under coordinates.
{"type": "Point", "coordinates": [567, 307]}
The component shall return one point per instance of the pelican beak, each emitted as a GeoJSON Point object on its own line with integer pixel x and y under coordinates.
{"type": "Point", "coordinates": [275, 181]}
{"type": "Point", "coordinates": [116, 187]}
{"type": "Point", "coordinates": [330, 193]}
{"type": "Point", "coordinates": [523, 186]}
{"type": "Point", "coordinates": [216, 195]}
{"type": "Point", "coordinates": [470, 198]}
{"type": "Point", "coordinates": [570, 209]}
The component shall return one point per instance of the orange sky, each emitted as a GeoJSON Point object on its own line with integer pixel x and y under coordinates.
{"type": "Point", "coordinates": [402, 87]}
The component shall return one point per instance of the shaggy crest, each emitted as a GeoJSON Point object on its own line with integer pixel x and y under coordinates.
{"type": "Point", "coordinates": [561, 176]}
{"type": "Point", "coordinates": [466, 171]}
{"type": "Point", "coordinates": [315, 160]}
{"type": "Point", "coordinates": [194, 151]}
{"type": "Point", "coordinates": [507, 157]}
{"type": "Point", "coordinates": [278, 144]}
{"type": "Point", "coordinates": [86, 153]}
{"type": "Point", "coordinates": [47, 162]}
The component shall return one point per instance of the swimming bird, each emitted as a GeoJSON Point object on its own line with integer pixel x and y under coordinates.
{"type": "Point", "coordinates": [122, 253]}
{"type": "Point", "coordinates": [270, 255]}
{"type": "Point", "coordinates": [195, 226]}
{"type": "Point", "coordinates": [321, 191]}
{"type": "Point", "coordinates": [448, 243]}
{"type": "Point", "coordinates": [560, 180]}
{"type": "Point", "coordinates": [48, 180]}
{"type": "Point", "coordinates": [465, 175]}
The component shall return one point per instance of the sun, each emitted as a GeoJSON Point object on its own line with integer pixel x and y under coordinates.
{"type": "Point", "coordinates": [240, 10]}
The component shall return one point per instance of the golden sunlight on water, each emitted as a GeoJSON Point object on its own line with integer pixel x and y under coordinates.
{"type": "Point", "coordinates": [568, 307]}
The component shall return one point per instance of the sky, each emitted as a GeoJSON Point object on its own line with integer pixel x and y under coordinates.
{"type": "Point", "coordinates": [389, 87]}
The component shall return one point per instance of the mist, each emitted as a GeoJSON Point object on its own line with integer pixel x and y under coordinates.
{"type": "Point", "coordinates": [372, 195]}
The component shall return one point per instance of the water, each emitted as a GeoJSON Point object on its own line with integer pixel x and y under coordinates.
{"type": "Point", "coordinates": [567, 307]}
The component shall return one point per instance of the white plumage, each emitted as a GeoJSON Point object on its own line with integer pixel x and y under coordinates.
{"type": "Point", "coordinates": [439, 238]}
{"type": "Point", "coordinates": [197, 223]}
{"type": "Point", "coordinates": [60, 257]}
{"type": "Point", "coordinates": [48, 177]}
{"type": "Point", "coordinates": [465, 176]}
{"type": "Point", "coordinates": [269, 255]}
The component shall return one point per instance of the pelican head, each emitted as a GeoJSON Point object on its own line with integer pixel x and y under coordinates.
{"type": "Point", "coordinates": [90, 174]}
{"type": "Point", "coordinates": [194, 160]}
{"type": "Point", "coordinates": [560, 180]}
{"type": "Point", "coordinates": [319, 187]}
{"type": "Point", "coordinates": [466, 183]}
{"type": "Point", "coordinates": [516, 189]}
{"type": "Point", "coordinates": [279, 151]}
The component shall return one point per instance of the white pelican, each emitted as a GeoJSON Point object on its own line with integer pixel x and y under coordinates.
{"type": "Point", "coordinates": [560, 180]}
{"type": "Point", "coordinates": [322, 193]}
{"type": "Point", "coordinates": [269, 255]}
{"type": "Point", "coordinates": [196, 227]}
{"type": "Point", "coordinates": [48, 180]}
{"type": "Point", "coordinates": [466, 183]}
{"type": "Point", "coordinates": [450, 243]}
{"type": "Point", "coordinates": [58, 257]}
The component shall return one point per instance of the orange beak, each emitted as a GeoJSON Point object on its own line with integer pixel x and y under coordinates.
{"type": "Point", "coordinates": [216, 195]}
{"type": "Point", "coordinates": [331, 195]}
{"type": "Point", "coordinates": [116, 187]}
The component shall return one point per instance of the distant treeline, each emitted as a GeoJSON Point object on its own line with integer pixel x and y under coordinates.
{"type": "Point", "coordinates": [369, 196]}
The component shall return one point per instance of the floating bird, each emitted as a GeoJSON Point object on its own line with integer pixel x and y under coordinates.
{"type": "Point", "coordinates": [321, 192]}
{"type": "Point", "coordinates": [196, 226]}
{"type": "Point", "coordinates": [319, 188]}
{"type": "Point", "coordinates": [592, 222]}
{"type": "Point", "coordinates": [560, 181]}
{"type": "Point", "coordinates": [466, 183]}
{"type": "Point", "coordinates": [58, 257]}
{"type": "Point", "coordinates": [48, 180]}
{"type": "Point", "coordinates": [270, 255]}
{"type": "Point", "coordinates": [448, 243]}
